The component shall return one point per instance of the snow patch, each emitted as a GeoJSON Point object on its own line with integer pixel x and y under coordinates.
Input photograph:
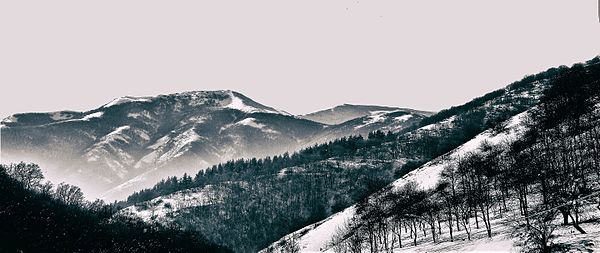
{"type": "Point", "coordinates": [93, 115]}
{"type": "Point", "coordinates": [158, 208]}
{"type": "Point", "coordinates": [403, 118]}
{"type": "Point", "coordinates": [251, 122]}
{"type": "Point", "coordinates": [238, 104]}
{"type": "Point", "coordinates": [139, 115]}
{"type": "Point", "coordinates": [123, 100]}
{"type": "Point", "coordinates": [179, 145]}
{"type": "Point", "coordinates": [10, 119]}
{"type": "Point", "coordinates": [446, 122]}
{"type": "Point", "coordinates": [375, 117]}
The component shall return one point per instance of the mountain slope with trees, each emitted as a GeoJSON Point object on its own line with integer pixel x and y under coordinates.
{"type": "Point", "coordinates": [533, 183]}
{"type": "Point", "coordinates": [37, 217]}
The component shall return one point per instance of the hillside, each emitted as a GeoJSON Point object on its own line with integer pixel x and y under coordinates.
{"type": "Point", "coordinates": [317, 237]}
{"type": "Point", "coordinates": [37, 217]}
{"type": "Point", "coordinates": [527, 184]}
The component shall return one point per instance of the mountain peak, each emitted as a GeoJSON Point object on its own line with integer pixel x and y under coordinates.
{"type": "Point", "coordinates": [217, 98]}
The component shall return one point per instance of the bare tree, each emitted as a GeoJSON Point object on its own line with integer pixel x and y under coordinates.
{"type": "Point", "coordinates": [69, 194]}
{"type": "Point", "coordinates": [29, 174]}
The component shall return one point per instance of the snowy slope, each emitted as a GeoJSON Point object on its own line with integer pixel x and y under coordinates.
{"type": "Point", "coordinates": [392, 120]}
{"type": "Point", "coordinates": [346, 112]}
{"type": "Point", "coordinates": [156, 210]}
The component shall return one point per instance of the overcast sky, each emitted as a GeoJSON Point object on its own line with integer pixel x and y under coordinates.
{"type": "Point", "coordinates": [299, 56]}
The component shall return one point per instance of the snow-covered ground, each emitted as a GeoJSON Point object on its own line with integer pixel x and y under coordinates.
{"type": "Point", "coordinates": [158, 208]}
{"type": "Point", "coordinates": [126, 99]}
{"type": "Point", "coordinates": [238, 104]}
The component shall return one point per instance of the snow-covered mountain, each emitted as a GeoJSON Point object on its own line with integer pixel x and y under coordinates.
{"type": "Point", "coordinates": [346, 112]}
{"type": "Point", "coordinates": [132, 142]}
{"type": "Point", "coordinates": [394, 120]}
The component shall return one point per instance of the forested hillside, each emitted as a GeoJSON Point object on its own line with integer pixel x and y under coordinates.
{"type": "Point", "coordinates": [37, 217]}
{"type": "Point", "coordinates": [533, 186]}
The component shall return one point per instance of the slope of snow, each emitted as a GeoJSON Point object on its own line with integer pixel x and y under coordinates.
{"type": "Point", "coordinates": [180, 144]}
{"type": "Point", "coordinates": [10, 119]}
{"type": "Point", "coordinates": [427, 175]}
{"type": "Point", "coordinates": [158, 208]}
{"type": "Point", "coordinates": [447, 121]}
{"type": "Point", "coordinates": [251, 122]}
{"type": "Point", "coordinates": [377, 116]}
{"type": "Point", "coordinates": [403, 118]}
{"type": "Point", "coordinates": [123, 100]}
{"type": "Point", "coordinates": [116, 134]}
{"type": "Point", "coordinates": [317, 238]}
{"type": "Point", "coordinates": [109, 145]}
{"type": "Point", "coordinates": [92, 115]}
{"type": "Point", "coordinates": [238, 104]}
{"type": "Point", "coordinates": [160, 142]}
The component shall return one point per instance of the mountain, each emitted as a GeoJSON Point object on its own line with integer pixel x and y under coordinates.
{"type": "Point", "coordinates": [146, 138]}
{"type": "Point", "coordinates": [346, 112]}
{"type": "Point", "coordinates": [131, 143]}
{"type": "Point", "coordinates": [269, 198]}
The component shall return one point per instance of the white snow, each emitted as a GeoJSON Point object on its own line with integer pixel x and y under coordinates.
{"type": "Point", "coordinates": [446, 122]}
{"type": "Point", "coordinates": [376, 116]}
{"type": "Point", "coordinates": [10, 119]}
{"type": "Point", "coordinates": [117, 134]}
{"type": "Point", "coordinates": [92, 115]}
{"type": "Point", "coordinates": [251, 122]}
{"type": "Point", "coordinates": [403, 118]}
{"type": "Point", "coordinates": [238, 104]}
{"type": "Point", "coordinates": [427, 175]}
{"type": "Point", "coordinates": [168, 147]}
{"type": "Point", "coordinates": [315, 240]}
{"type": "Point", "coordinates": [160, 142]}
{"type": "Point", "coordinates": [138, 115]}
{"type": "Point", "coordinates": [158, 208]}
{"type": "Point", "coordinates": [197, 119]}
{"type": "Point", "coordinates": [106, 148]}
{"type": "Point", "coordinates": [179, 145]}
{"type": "Point", "coordinates": [122, 100]}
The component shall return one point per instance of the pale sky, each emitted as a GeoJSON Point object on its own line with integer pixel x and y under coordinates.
{"type": "Point", "coordinates": [299, 56]}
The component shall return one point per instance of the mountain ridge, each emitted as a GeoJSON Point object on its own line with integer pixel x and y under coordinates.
{"type": "Point", "coordinates": [152, 137]}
